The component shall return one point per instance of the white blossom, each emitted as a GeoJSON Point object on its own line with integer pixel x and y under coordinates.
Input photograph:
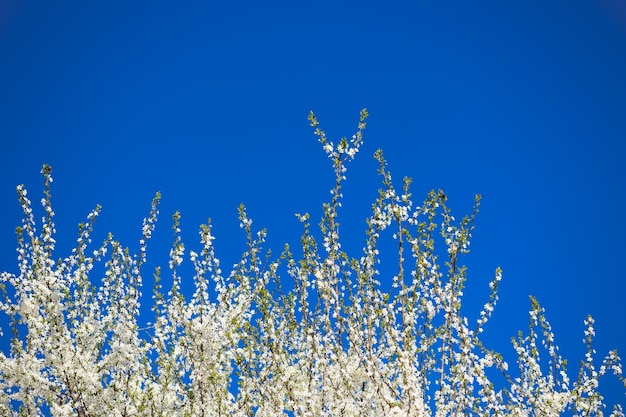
{"type": "Point", "coordinates": [310, 332]}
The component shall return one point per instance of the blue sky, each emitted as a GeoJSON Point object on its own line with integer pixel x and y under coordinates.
{"type": "Point", "coordinates": [522, 102]}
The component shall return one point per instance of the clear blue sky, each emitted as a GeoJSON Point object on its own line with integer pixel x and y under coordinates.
{"type": "Point", "coordinates": [523, 102]}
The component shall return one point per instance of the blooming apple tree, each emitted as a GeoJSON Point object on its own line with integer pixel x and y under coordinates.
{"type": "Point", "coordinates": [323, 333]}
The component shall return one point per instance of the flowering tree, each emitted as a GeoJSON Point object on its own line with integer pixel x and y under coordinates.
{"type": "Point", "coordinates": [316, 334]}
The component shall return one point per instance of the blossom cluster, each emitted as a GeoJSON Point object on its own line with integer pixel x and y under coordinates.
{"type": "Point", "coordinates": [321, 333]}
